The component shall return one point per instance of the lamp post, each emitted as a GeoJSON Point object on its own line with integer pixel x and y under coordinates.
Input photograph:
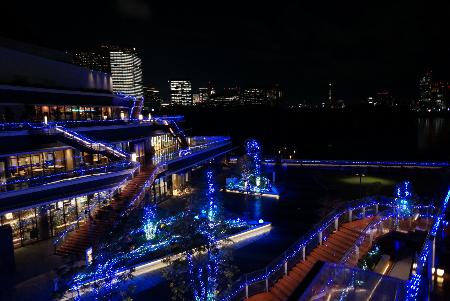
{"type": "Point", "coordinates": [361, 175]}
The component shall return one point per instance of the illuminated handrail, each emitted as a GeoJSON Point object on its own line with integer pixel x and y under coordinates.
{"type": "Point", "coordinates": [416, 282]}
{"type": "Point", "coordinates": [276, 270]}
{"type": "Point", "coordinates": [378, 219]}
{"type": "Point", "coordinates": [33, 181]}
{"type": "Point", "coordinates": [89, 143]}
{"type": "Point", "coordinates": [359, 162]}
{"type": "Point", "coordinates": [212, 142]}
{"type": "Point", "coordinates": [27, 125]}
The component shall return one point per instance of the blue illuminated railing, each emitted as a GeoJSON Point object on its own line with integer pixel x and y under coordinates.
{"type": "Point", "coordinates": [89, 143]}
{"type": "Point", "coordinates": [15, 126]}
{"type": "Point", "coordinates": [197, 144]}
{"type": "Point", "coordinates": [416, 288]}
{"type": "Point", "coordinates": [359, 163]}
{"type": "Point", "coordinates": [259, 281]}
{"type": "Point", "coordinates": [33, 181]}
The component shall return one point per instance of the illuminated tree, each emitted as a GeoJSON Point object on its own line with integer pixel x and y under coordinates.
{"type": "Point", "coordinates": [250, 166]}
{"type": "Point", "coordinates": [150, 223]}
{"type": "Point", "coordinates": [202, 266]}
{"type": "Point", "coordinates": [403, 199]}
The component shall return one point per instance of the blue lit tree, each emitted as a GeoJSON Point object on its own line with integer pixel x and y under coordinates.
{"type": "Point", "coordinates": [403, 199]}
{"type": "Point", "coordinates": [150, 223]}
{"type": "Point", "coordinates": [203, 267]}
{"type": "Point", "coordinates": [251, 179]}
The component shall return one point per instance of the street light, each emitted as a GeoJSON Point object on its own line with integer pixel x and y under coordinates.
{"type": "Point", "coordinates": [361, 175]}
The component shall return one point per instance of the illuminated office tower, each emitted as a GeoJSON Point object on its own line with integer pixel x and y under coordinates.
{"type": "Point", "coordinates": [126, 71]}
{"type": "Point", "coordinates": [152, 99]}
{"type": "Point", "coordinates": [181, 92]}
{"type": "Point", "coordinates": [122, 63]}
{"type": "Point", "coordinates": [425, 88]}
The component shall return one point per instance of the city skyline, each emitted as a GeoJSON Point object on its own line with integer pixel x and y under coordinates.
{"type": "Point", "coordinates": [300, 46]}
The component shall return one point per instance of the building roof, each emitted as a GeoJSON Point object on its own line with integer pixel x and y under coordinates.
{"type": "Point", "coordinates": [10, 94]}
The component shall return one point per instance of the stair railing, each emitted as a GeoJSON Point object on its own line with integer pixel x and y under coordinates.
{"type": "Point", "coordinates": [261, 280]}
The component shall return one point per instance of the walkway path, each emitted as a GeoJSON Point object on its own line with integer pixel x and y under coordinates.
{"type": "Point", "coordinates": [104, 218]}
{"type": "Point", "coordinates": [332, 250]}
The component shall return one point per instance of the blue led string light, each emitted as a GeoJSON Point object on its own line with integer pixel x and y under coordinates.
{"type": "Point", "coordinates": [150, 222]}
{"type": "Point", "coordinates": [71, 173]}
{"type": "Point", "coordinates": [356, 163]}
{"type": "Point", "coordinates": [296, 249]}
{"type": "Point", "coordinates": [251, 180]}
{"type": "Point", "coordinates": [417, 281]}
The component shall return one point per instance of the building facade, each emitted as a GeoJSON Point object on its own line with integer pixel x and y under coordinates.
{"type": "Point", "coordinates": [152, 99]}
{"type": "Point", "coordinates": [70, 153]}
{"type": "Point", "coordinates": [181, 92]}
{"type": "Point", "coordinates": [122, 63]}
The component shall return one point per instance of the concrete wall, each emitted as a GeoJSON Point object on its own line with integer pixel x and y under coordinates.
{"type": "Point", "coordinates": [25, 69]}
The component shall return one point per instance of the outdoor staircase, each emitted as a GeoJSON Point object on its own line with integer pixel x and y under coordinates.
{"type": "Point", "coordinates": [102, 221]}
{"type": "Point", "coordinates": [178, 133]}
{"type": "Point", "coordinates": [331, 250]}
{"type": "Point", "coordinates": [86, 144]}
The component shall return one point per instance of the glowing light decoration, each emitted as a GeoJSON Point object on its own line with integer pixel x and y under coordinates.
{"type": "Point", "coordinates": [150, 222]}
{"type": "Point", "coordinates": [403, 199]}
{"type": "Point", "coordinates": [212, 210]}
{"type": "Point", "coordinates": [252, 180]}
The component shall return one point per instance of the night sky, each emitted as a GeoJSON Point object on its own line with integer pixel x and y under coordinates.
{"type": "Point", "coordinates": [363, 47]}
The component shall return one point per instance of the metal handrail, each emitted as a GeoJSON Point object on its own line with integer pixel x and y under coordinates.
{"type": "Point", "coordinates": [292, 252]}
{"type": "Point", "coordinates": [52, 177]}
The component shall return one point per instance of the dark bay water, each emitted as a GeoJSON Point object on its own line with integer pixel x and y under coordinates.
{"type": "Point", "coordinates": [348, 134]}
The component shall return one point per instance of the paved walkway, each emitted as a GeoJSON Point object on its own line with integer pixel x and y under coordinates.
{"type": "Point", "coordinates": [34, 274]}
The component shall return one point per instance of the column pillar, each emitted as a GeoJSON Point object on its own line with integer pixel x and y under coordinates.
{"type": "Point", "coordinates": [303, 252]}
{"type": "Point", "coordinates": [336, 223]}
{"type": "Point", "coordinates": [267, 282]}
{"type": "Point", "coordinates": [350, 213]}
{"type": "Point", "coordinates": [43, 223]}
{"type": "Point", "coordinates": [320, 238]}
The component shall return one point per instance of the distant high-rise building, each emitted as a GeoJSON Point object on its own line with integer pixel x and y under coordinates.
{"type": "Point", "coordinates": [275, 93]}
{"type": "Point", "coordinates": [425, 88]}
{"type": "Point", "coordinates": [181, 92]}
{"type": "Point", "coordinates": [261, 96]}
{"type": "Point", "coordinates": [204, 95]}
{"type": "Point", "coordinates": [152, 99]}
{"type": "Point", "coordinates": [122, 63]}
{"type": "Point", "coordinates": [384, 98]}
{"type": "Point", "coordinates": [439, 94]}
{"type": "Point", "coordinates": [254, 96]}
{"type": "Point", "coordinates": [98, 61]}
